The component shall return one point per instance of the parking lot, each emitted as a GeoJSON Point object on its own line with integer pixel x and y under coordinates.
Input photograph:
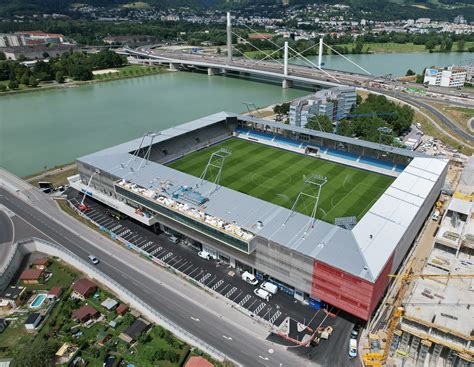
{"type": "Point", "coordinates": [217, 276]}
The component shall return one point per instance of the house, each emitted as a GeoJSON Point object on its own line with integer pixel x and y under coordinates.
{"type": "Point", "coordinates": [32, 276]}
{"type": "Point", "coordinates": [41, 264]}
{"type": "Point", "coordinates": [3, 325]}
{"type": "Point", "coordinates": [33, 321]}
{"type": "Point", "coordinates": [83, 288]}
{"type": "Point", "coordinates": [109, 304]}
{"type": "Point", "coordinates": [66, 353]}
{"type": "Point", "coordinates": [12, 297]}
{"type": "Point", "coordinates": [196, 361]}
{"type": "Point", "coordinates": [133, 332]}
{"type": "Point", "coordinates": [85, 313]}
{"type": "Point", "coordinates": [55, 292]}
{"type": "Point", "coordinates": [122, 309]}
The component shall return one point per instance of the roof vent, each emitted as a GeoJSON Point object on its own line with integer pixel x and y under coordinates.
{"type": "Point", "coordinates": [259, 224]}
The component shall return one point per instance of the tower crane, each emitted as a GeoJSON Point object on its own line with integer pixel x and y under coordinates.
{"type": "Point", "coordinates": [378, 359]}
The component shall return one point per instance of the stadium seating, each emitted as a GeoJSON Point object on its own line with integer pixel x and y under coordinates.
{"type": "Point", "coordinates": [374, 162]}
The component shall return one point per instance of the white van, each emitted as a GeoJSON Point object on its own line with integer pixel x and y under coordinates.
{"type": "Point", "coordinates": [249, 278]}
{"type": "Point", "coordinates": [435, 215]}
{"type": "Point", "coordinates": [262, 293]}
{"type": "Point", "coordinates": [353, 348]}
{"type": "Point", "coordinates": [269, 287]}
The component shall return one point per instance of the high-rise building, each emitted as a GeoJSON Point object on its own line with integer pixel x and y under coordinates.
{"type": "Point", "coordinates": [451, 77]}
{"type": "Point", "coordinates": [335, 103]}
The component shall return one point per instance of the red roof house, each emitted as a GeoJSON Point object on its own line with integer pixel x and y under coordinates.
{"type": "Point", "coordinates": [121, 309]}
{"type": "Point", "coordinates": [40, 263]}
{"type": "Point", "coordinates": [83, 288]}
{"type": "Point", "coordinates": [55, 292]}
{"type": "Point", "coordinates": [196, 361]}
{"type": "Point", "coordinates": [31, 276]}
{"type": "Point", "coordinates": [84, 313]}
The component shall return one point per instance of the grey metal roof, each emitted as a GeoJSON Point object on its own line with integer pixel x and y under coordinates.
{"type": "Point", "coordinates": [351, 251]}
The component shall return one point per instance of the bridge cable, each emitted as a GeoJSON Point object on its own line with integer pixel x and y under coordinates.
{"type": "Point", "coordinates": [352, 62]}
{"type": "Point", "coordinates": [314, 65]}
{"type": "Point", "coordinates": [258, 49]}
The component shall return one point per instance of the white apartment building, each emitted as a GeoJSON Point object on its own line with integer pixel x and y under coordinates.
{"type": "Point", "coordinates": [451, 77]}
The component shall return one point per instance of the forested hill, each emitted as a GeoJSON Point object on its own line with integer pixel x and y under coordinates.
{"type": "Point", "coordinates": [372, 9]}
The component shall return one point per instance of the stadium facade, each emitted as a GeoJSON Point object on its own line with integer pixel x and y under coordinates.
{"type": "Point", "coordinates": [311, 260]}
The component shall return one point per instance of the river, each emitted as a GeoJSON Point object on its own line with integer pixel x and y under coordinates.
{"type": "Point", "coordinates": [395, 63]}
{"type": "Point", "coordinates": [39, 130]}
{"type": "Point", "coordinates": [42, 129]}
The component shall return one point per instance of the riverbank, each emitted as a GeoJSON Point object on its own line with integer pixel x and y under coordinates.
{"type": "Point", "coordinates": [125, 72]}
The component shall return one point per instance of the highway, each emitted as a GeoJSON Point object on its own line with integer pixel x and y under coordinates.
{"type": "Point", "coordinates": [206, 317]}
{"type": "Point", "coordinates": [6, 234]}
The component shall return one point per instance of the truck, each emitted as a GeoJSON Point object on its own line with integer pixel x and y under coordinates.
{"type": "Point", "coordinates": [249, 278]}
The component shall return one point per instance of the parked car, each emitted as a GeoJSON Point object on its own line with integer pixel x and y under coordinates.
{"type": "Point", "coordinates": [249, 278]}
{"type": "Point", "coordinates": [93, 259]}
{"type": "Point", "coordinates": [204, 254]}
{"type": "Point", "coordinates": [435, 215]}
{"type": "Point", "coordinates": [269, 287]}
{"type": "Point", "coordinates": [173, 239]}
{"type": "Point", "coordinates": [262, 293]}
{"type": "Point", "coordinates": [355, 331]}
{"type": "Point", "coordinates": [353, 348]}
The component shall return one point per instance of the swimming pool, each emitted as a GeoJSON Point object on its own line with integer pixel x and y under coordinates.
{"type": "Point", "coordinates": [38, 301]}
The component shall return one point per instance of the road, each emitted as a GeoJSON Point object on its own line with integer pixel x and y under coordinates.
{"type": "Point", "coordinates": [6, 234]}
{"type": "Point", "coordinates": [206, 317]}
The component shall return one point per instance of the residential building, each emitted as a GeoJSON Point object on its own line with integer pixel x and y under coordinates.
{"type": "Point", "coordinates": [33, 321]}
{"type": "Point", "coordinates": [122, 309]}
{"type": "Point", "coordinates": [41, 263]}
{"type": "Point", "coordinates": [197, 361]}
{"type": "Point", "coordinates": [133, 332]}
{"type": "Point", "coordinates": [451, 77]}
{"type": "Point", "coordinates": [84, 314]}
{"type": "Point", "coordinates": [32, 276]}
{"type": "Point", "coordinates": [55, 292]}
{"type": "Point", "coordinates": [335, 103]}
{"type": "Point", "coordinates": [83, 288]}
{"type": "Point", "coordinates": [12, 297]}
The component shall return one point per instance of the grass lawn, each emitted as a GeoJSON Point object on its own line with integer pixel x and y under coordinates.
{"type": "Point", "coordinates": [130, 71]}
{"type": "Point", "coordinates": [62, 277]}
{"type": "Point", "coordinates": [276, 175]}
{"type": "Point", "coordinates": [392, 47]}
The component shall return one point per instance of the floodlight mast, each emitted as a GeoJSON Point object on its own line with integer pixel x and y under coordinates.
{"type": "Point", "coordinates": [216, 160]}
{"type": "Point", "coordinates": [315, 182]}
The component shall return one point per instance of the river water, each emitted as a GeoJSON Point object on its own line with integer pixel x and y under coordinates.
{"type": "Point", "coordinates": [42, 129]}
{"type": "Point", "coordinates": [397, 64]}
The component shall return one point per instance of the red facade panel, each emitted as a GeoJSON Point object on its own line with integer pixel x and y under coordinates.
{"type": "Point", "coordinates": [346, 291]}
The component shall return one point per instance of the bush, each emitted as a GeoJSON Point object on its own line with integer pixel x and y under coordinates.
{"type": "Point", "coordinates": [12, 84]}
{"type": "Point", "coordinates": [3, 88]}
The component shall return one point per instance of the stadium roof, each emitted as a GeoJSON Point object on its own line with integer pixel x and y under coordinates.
{"type": "Point", "coordinates": [366, 248]}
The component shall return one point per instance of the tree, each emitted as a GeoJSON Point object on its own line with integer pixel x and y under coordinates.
{"type": "Point", "coordinates": [33, 82]}
{"type": "Point", "coordinates": [45, 55]}
{"type": "Point", "coordinates": [59, 77]}
{"type": "Point", "coordinates": [321, 123]}
{"type": "Point", "coordinates": [38, 354]}
{"type": "Point", "coordinates": [430, 44]}
{"type": "Point", "coordinates": [461, 45]}
{"type": "Point", "coordinates": [448, 44]}
{"type": "Point", "coordinates": [2, 56]}
{"type": "Point", "coordinates": [3, 88]}
{"type": "Point", "coordinates": [344, 127]}
{"type": "Point", "coordinates": [25, 79]}
{"type": "Point", "coordinates": [410, 72]}
{"type": "Point", "coordinates": [12, 84]}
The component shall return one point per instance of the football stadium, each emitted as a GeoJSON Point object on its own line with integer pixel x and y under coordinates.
{"type": "Point", "coordinates": [324, 217]}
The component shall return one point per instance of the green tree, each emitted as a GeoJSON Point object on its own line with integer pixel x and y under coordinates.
{"type": "Point", "coordinates": [344, 127]}
{"type": "Point", "coordinates": [3, 88]}
{"type": "Point", "coordinates": [461, 45]}
{"type": "Point", "coordinates": [321, 123]}
{"type": "Point", "coordinates": [12, 84]}
{"type": "Point", "coordinates": [25, 79]}
{"type": "Point", "coordinates": [448, 44]}
{"type": "Point", "coordinates": [33, 82]}
{"type": "Point", "coordinates": [2, 56]}
{"type": "Point", "coordinates": [430, 44]}
{"type": "Point", "coordinates": [410, 72]}
{"type": "Point", "coordinates": [38, 354]}
{"type": "Point", "coordinates": [59, 77]}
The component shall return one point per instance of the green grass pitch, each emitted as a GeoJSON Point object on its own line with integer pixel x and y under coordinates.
{"type": "Point", "coordinates": [277, 176]}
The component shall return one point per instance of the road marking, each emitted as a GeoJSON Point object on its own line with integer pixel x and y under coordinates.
{"type": "Point", "coordinates": [264, 358]}
{"type": "Point", "coordinates": [226, 337]}
{"type": "Point", "coordinates": [204, 278]}
{"type": "Point", "coordinates": [275, 317]}
{"type": "Point", "coordinates": [245, 300]}
{"type": "Point", "coordinates": [168, 255]}
{"type": "Point", "coordinates": [217, 285]}
{"type": "Point", "coordinates": [233, 299]}
{"type": "Point", "coordinates": [260, 307]}
{"type": "Point", "coordinates": [230, 292]}
{"type": "Point", "coordinates": [195, 319]}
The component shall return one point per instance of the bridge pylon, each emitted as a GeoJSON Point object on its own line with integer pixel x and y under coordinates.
{"type": "Point", "coordinates": [229, 38]}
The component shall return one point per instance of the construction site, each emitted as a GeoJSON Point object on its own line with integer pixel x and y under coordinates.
{"type": "Point", "coordinates": [426, 317]}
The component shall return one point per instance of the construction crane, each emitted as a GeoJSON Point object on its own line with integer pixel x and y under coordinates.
{"type": "Point", "coordinates": [82, 206]}
{"type": "Point", "coordinates": [378, 359]}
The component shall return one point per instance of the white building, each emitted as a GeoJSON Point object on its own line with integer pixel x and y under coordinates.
{"type": "Point", "coordinates": [335, 103]}
{"type": "Point", "coordinates": [452, 76]}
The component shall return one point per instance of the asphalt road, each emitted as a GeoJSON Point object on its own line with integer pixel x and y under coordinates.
{"type": "Point", "coordinates": [229, 334]}
{"type": "Point", "coordinates": [6, 234]}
